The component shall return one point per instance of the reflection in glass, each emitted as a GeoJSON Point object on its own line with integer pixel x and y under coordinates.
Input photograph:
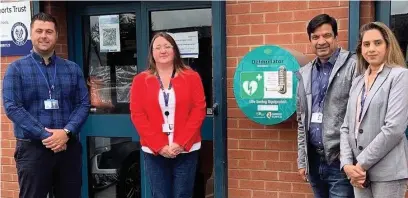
{"type": "Point", "coordinates": [399, 24]}
{"type": "Point", "coordinates": [110, 70]}
{"type": "Point", "coordinates": [114, 167]}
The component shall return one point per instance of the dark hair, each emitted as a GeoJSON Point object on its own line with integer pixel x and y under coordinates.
{"type": "Point", "coordinates": [177, 61]}
{"type": "Point", "coordinates": [44, 17]}
{"type": "Point", "coordinates": [320, 20]}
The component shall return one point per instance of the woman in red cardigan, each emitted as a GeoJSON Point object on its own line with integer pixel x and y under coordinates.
{"type": "Point", "coordinates": [167, 105]}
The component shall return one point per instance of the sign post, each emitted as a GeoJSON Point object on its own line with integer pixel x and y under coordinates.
{"type": "Point", "coordinates": [265, 84]}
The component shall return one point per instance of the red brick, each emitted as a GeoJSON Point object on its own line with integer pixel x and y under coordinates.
{"type": "Point", "coordinates": [7, 193]}
{"type": "Point", "coordinates": [232, 123]}
{"type": "Point", "coordinates": [237, 51]}
{"type": "Point", "coordinates": [346, 3]}
{"type": "Point", "coordinates": [239, 193]}
{"type": "Point", "coordinates": [342, 35]}
{"type": "Point", "coordinates": [323, 4]}
{"type": "Point", "coordinates": [366, 10]}
{"type": "Point", "coordinates": [301, 38]}
{"type": "Point", "coordinates": [277, 39]}
{"type": "Point", "coordinates": [250, 18]}
{"type": "Point", "coordinates": [291, 195]}
{"type": "Point", "coordinates": [232, 144]}
{"type": "Point", "coordinates": [239, 154]}
{"type": "Point", "coordinates": [292, 27]}
{"type": "Point", "coordinates": [265, 134]}
{"type": "Point", "coordinates": [232, 163]}
{"type": "Point", "coordinates": [286, 176]}
{"type": "Point", "coordinates": [288, 134]}
{"type": "Point", "coordinates": [264, 194]}
{"type": "Point", "coordinates": [7, 151]}
{"type": "Point", "coordinates": [290, 156]}
{"type": "Point", "coordinates": [252, 144]}
{"type": "Point", "coordinates": [6, 177]}
{"type": "Point", "coordinates": [249, 124]}
{"type": "Point", "coordinates": [264, 175]}
{"type": "Point", "coordinates": [230, 93]}
{"type": "Point", "coordinates": [337, 12]}
{"type": "Point", "coordinates": [251, 40]}
{"type": "Point", "coordinates": [236, 113]}
{"type": "Point", "coordinates": [9, 185]}
{"type": "Point", "coordinates": [239, 133]}
{"type": "Point", "coordinates": [251, 164]}
{"type": "Point", "coordinates": [231, 103]}
{"type": "Point", "coordinates": [302, 187]}
{"type": "Point", "coordinates": [232, 62]}
{"type": "Point", "coordinates": [342, 24]}
{"type": "Point", "coordinates": [265, 155]}
{"type": "Point", "coordinates": [238, 30]}
{"type": "Point", "coordinates": [278, 17]}
{"type": "Point", "coordinates": [239, 174]}
{"type": "Point", "coordinates": [240, 8]}
{"type": "Point", "coordinates": [279, 166]}
{"type": "Point", "coordinates": [281, 145]}
{"type": "Point", "coordinates": [278, 186]}
{"type": "Point", "coordinates": [292, 5]}
{"type": "Point", "coordinates": [264, 6]}
{"type": "Point", "coordinates": [8, 169]}
{"type": "Point", "coordinates": [233, 183]}
{"type": "Point", "coordinates": [264, 28]}
{"type": "Point", "coordinates": [6, 160]}
{"type": "Point", "coordinates": [232, 41]}
{"type": "Point", "coordinates": [302, 48]}
{"type": "Point", "coordinates": [251, 184]}
{"type": "Point", "coordinates": [231, 20]}
{"type": "Point", "coordinates": [305, 15]}
{"type": "Point", "coordinates": [288, 124]}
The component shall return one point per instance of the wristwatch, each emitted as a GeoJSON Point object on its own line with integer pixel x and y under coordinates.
{"type": "Point", "coordinates": [69, 133]}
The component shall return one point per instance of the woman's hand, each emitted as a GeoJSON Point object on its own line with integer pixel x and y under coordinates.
{"type": "Point", "coordinates": [356, 175]}
{"type": "Point", "coordinates": [166, 152]}
{"type": "Point", "coordinates": [176, 149]}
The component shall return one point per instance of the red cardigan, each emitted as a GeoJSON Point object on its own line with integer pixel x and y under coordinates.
{"type": "Point", "coordinates": [147, 116]}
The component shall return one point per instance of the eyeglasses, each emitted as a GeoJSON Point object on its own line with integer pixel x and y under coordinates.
{"type": "Point", "coordinates": [166, 47]}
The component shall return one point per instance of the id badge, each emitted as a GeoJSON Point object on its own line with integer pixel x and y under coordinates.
{"type": "Point", "coordinates": [168, 128]}
{"type": "Point", "coordinates": [317, 117]}
{"type": "Point", "coordinates": [51, 104]}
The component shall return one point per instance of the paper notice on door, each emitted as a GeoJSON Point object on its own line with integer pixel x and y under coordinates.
{"type": "Point", "coordinates": [109, 34]}
{"type": "Point", "coordinates": [187, 43]}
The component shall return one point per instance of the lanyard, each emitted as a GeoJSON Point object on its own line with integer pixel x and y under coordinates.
{"type": "Point", "coordinates": [363, 98]}
{"type": "Point", "coordinates": [323, 87]}
{"type": "Point", "coordinates": [46, 79]}
{"type": "Point", "coordinates": [166, 96]}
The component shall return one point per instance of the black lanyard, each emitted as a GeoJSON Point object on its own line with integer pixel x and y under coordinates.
{"type": "Point", "coordinates": [166, 96]}
{"type": "Point", "coordinates": [363, 98]}
{"type": "Point", "coordinates": [50, 88]}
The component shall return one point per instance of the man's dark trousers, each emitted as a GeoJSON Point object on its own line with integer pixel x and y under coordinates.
{"type": "Point", "coordinates": [327, 181]}
{"type": "Point", "coordinates": [40, 169]}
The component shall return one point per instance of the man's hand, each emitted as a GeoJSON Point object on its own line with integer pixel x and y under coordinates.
{"type": "Point", "coordinates": [356, 174]}
{"type": "Point", "coordinates": [175, 148]}
{"type": "Point", "coordinates": [63, 148]}
{"type": "Point", "coordinates": [166, 152]}
{"type": "Point", "coordinates": [302, 173]}
{"type": "Point", "coordinates": [57, 140]}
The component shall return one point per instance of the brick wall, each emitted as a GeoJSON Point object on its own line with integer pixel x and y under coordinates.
{"type": "Point", "coordinates": [8, 180]}
{"type": "Point", "coordinates": [262, 159]}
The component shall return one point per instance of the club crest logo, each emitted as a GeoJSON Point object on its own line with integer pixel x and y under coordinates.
{"type": "Point", "coordinates": [19, 33]}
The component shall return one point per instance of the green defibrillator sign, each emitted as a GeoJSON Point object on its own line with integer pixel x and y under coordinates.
{"type": "Point", "coordinates": [265, 84]}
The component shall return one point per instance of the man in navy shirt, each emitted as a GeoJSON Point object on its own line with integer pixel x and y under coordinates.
{"type": "Point", "coordinates": [322, 96]}
{"type": "Point", "coordinates": [46, 98]}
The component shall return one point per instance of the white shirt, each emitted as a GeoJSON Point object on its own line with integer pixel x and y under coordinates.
{"type": "Point", "coordinates": [170, 119]}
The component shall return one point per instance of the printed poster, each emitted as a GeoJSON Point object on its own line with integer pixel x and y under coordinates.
{"type": "Point", "coordinates": [109, 33]}
{"type": "Point", "coordinates": [187, 43]}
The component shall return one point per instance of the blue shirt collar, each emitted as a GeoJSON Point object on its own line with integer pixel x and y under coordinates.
{"type": "Point", "coordinates": [40, 59]}
{"type": "Point", "coordinates": [332, 59]}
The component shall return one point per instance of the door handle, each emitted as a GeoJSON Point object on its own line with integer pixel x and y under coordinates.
{"type": "Point", "coordinates": [215, 108]}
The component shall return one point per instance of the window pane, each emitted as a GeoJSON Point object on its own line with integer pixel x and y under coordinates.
{"type": "Point", "coordinates": [184, 23]}
{"type": "Point", "coordinates": [110, 61]}
{"type": "Point", "coordinates": [399, 24]}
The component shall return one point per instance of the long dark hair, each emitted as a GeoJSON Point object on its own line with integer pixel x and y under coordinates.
{"type": "Point", "coordinates": [177, 61]}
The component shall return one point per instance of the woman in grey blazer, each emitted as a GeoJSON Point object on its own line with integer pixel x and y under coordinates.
{"type": "Point", "coordinates": [373, 147]}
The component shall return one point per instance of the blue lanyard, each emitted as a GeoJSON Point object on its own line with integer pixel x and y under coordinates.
{"type": "Point", "coordinates": [46, 80]}
{"type": "Point", "coordinates": [166, 96]}
{"type": "Point", "coordinates": [323, 88]}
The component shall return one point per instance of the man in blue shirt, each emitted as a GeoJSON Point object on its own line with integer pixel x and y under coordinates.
{"type": "Point", "coordinates": [46, 98]}
{"type": "Point", "coordinates": [322, 96]}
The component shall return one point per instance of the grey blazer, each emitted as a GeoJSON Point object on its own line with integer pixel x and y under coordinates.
{"type": "Point", "coordinates": [381, 147]}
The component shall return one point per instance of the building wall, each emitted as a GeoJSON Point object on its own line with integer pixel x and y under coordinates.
{"type": "Point", "coordinates": [261, 159]}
